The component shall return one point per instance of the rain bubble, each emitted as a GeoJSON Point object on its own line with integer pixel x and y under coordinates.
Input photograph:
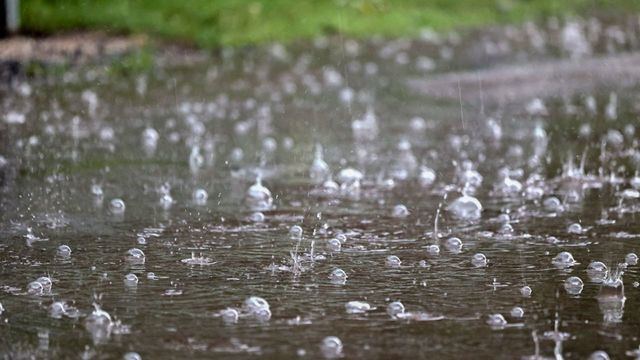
{"type": "Point", "coordinates": [338, 276]}
{"type": "Point", "coordinates": [517, 312]}
{"type": "Point", "coordinates": [135, 256]}
{"type": "Point", "coordinates": [496, 321]}
{"type": "Point", "coordinates": [295, 232]}
{"type": "Point", "coordinates": [564, 260]}
{"type": "Point", "coordinates": [331, 347]}
{"type": "Point", "coordinates": [575, 228]}
{"type": "Point", "coordinates": [392, 261]}
{"type": "Point", "coordinates": [433, 249]}
{"type": "Point", "coordinates": [131, 279]}
{"type": "Point", "coordinates": [454, 245]}
{"type": "Point", "coordinates": [526, 291]}
{"type": "Point", "coordinates": [597, 271]}
{"type": "Point", "coordinates": [552, 204]}
{"type": "Point", "coordinates": [334, 245]}
{"type": "Point", "coordinates": [400, 211]}
{"type": "Point", "coordinates": [35, 288]}
{"type": "Point", "coordinates": [573, 285]}
{"type": "Point", "coordinates": [479, 260]}
{"type": "Point", "coordinates": [357, 307]}
{"type": "Point", "coordinates": [46, 283]}
{"type": "Point", "coordinates": [466, 208]}
{"type": "Point", "coordinates": [200, 196]}
{"type": "Point", "coordinates": [229, 315]}
{"type": "Point", "coordinates": [132, 356]}
{"type": "Point", "coordinates": [631, 259]}
{"type": "Point", "coordinates": [57, 309]}
{"type": "Point", "coordinates": [395, 308]}
{"type": "Point", "coordinates": [117, 206]}
{"type": "Point", "coordinates": [255, 304]}
{"type": "Point", "coordinates": [256, 217]}
{"type": "Point", "coordinates": [63, 251]}
{"type": "Point", "coordinates": [599, 355]}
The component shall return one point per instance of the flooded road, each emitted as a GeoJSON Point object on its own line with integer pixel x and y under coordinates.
{"type": "Point", "coordinates": [305, 202]}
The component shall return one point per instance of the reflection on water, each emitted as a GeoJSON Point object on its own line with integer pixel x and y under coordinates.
{"type": "Point", "coordinates": [313, 204]}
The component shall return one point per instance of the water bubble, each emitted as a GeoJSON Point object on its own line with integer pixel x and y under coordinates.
{"type": "Point", "coordinates": [152, 276]}
{"type": "Point", "coordinates": [35, 288]}
{"type": "Point", "coordinates": [400, 211]}
{"type": "Point", "coordinates": [575, 228]}
{"type": "Point", "coordinates": [526, 291]}
{"type": "Point", "coordinates": [63, 251]}
{"type": "Point", "coordinates": [338, 276]}
{"type": "Point", "coordinates": [331, 347]}
{"type": "Point", "coordinates": [357, 307]}
{"type": "Point", "coordinates": [496, 321]}
{"type": "Point", "coordinates": [200, 196]}
{"type": "Point", "coordinates": [564, 260]}
{"type": "Point", "coordinates": [395, 308]}
{"type": "Point", "coordinates": [597, 271]}
{"type": "Point", "coordinates": [466, 208]}
{"type": "Point", "coordinates": [479, 260]}
{"type": "Point", "coordinates": [631, 259]}
{"type": "Point", "coordinates": [132, 356]}
{"type": "Point", "coordinates": [454, 245]}
{"type": "Point", "coordinates": [99, 324]}
{"type": "Point", "coordinates": [599, 355]}
{"type": "Point", "coordinates": [141, 240]}
{"type": "Point", "coordinates": [131, 279]}
{"type": "Point", "coordinates": [295, 232]}
{"type": "Point", "coordinates": [117, 206]}
{"type": "Point", "coordinates": [573, 285]}
{"type": "Point", "coordinates": [229, 315]}
{"type": "Point", "coordinates": [135, 256]}
{"type": "Point", "coordinates": [552, 204]}
{"type": "Point", "coordinates": [258, 197]}
{"type": "Point", "coordinates": [517, 312]}
{"type": "Point", "coordinates": [57, 309]}
{"type": "Point", "coordinates": [392, 261]}
{"type": "Point", "coordinates": [334, 245]}
{"type": "Point", "coordinates": [257, 217]}
{"type": "Point", "coordinates": [46, 283]}
{"type": "Point", "coordinates": [349, 176]}
{"type": "Point", "coordinates": [426, 176]}
{"type": "Point", "coordinates": [433, 249]}
{"type": "Point", "coordinates": [258, 308]}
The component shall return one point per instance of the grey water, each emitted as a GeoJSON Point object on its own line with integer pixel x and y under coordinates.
{"type": "Point", "coordinates": [304, 201]}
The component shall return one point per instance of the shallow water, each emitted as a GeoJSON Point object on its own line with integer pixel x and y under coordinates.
{"type": "Point", "coordinates": [86, 127]}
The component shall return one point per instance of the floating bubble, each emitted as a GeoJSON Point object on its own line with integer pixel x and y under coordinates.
{"type": "Point", "coordinates": [395, 308]}
{"type": "Point", "coordinates": [573, 285]}
{"type": "Point", "coordinates": [357, 307]}
{"type": "Point", "coordinates": [575, 228]}
{"type": "Point", "coordinates": [479, 260]}
{"type": "Point", "coordinates": [117, 206]}
{"type": "Point", "coordinates": [599, 355]}
{"type": "Point", "coordinates": [400, 211]}
{"type": "Point", "coordinates": [517, 312]}
{"type": "Point", "coordinates": [46, 283]}
{"type": "Point", "coordinates": [433, 249]}
{"type": "Point", "coordinates": [526, 291]}
{"type": "Point", "coordinates": [564, 260]}
{"type": "Point", "coordinates": [63, 251]}
{"type": "Point", "coordinates": [132, 356]}
{"type": "Point", "coordinates": [552, 204]}
{"type": "Point", "coordinates": [152, 276]}
{"type": "Point", "coordinates": [256, 217]}
{"type": "Point", "coordinates": [597, 271]}
{"type": "Point", "coordinates": [295, 232]}
{"type": "Point", "coordinates": [338, 276]}
{"type": "Point", "coordinates": [334, 245]}
{"type": "Point", "coordinates": [200, 196]}
{"type": "Point", "coordinates": [393, 261]}
{"type": "Point", "coordinates": [331, 347]}
{"type": "Point", "coordinates": [496, 321]}
{"type": "Point", "coordinates": [454, 245]}
{"type": "Point", "coordinates": [57, 309]}
{"type": "Point", "coordinates": [229, 315]}
{"type": "Point", "coordinates": [631, 259]}
{"type": "Point", "coordinates": [130, 279]}
{"type": "Point", "coordinates": [35, 288]}
{"type": "Point", "coordinates": [254, 304]}
{"type": "Point", "coordinates": [466, 208]}
{"type": "Point", "coordinates": [99, 324]}
{"type": "Point", "coordinates": [135, 256]}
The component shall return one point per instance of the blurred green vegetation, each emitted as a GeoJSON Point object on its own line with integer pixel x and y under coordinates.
{"type": "Point", "coordinates": [212, 23]}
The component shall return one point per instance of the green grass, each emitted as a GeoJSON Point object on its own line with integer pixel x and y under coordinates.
{"type": "Point", "coordinates": [212, 23]}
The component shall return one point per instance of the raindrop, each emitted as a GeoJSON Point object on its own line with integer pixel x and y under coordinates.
{"type": "Point", "coordinates": [258, 197]}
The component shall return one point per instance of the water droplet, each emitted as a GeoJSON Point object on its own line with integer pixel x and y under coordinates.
{"type": "Point", "coordinates": [256, 217]}
{"type": "Point", "coordinates": [229, 315]}
{"type": "Point", "coordinates": [117, 206]}
{"type": "Point", "coordinates": [357, 307]}
{"type": "Point", "coordinates": [517, 312]}
{"type": "Point", "coordinates": [496, 321]}
{"type": "Point", "coordinates": [334, 245]}
{"type": "Point", "coordinates": [393, 261]}
{"type": "Point", "coordinates": [35, 288]}
{"type": "Point", "coordinates": [200, 196]}
{"type": "Point", "coordinates": [395, 308]}
{"type": "Point", "coordinates": [338, 276]}
{"type": "Point", "coordinates": [564, 260]}
{"type": "Point", "coordinates": [479, 260]}
{"type": "Point", "coordinates": [573, 285]}
{"type": "Point", "coordinates": [132, 356]}
{"type": "Point", "coordinates": [400, 211]}
{"type": "Point", "coordinates": [433, 249]}
{"type": "Point", "coordinates": [465, 208]}
{"type": "Point", "coordinates": [63, 251]}
{"type": "Point", "coordinates": [331, 347]}
{"type": "Point", "coordinates": [295, 232]}
{"type": "Point", "coordinates": [631, 259]}
{"type": "Point", "coordinates": [135, 256]}
{"type": "Point", "coordinates": [131, 280]}
{"type": "Point", "coordinates": [597, 271]}
{"type": "Point", "coordinates": [599, 355]}
{"type": "Point", "coordinates": [454, 245]}
{"type": "Point", "coordinates": [258, 197]}
{"type": "Point", "coordinates": [575, 228]}
{"type": "Point", "coordinates": [526, 291]}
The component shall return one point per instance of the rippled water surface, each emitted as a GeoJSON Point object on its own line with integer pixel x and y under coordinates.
{"type": "Point", "coordinates": [72, 143]}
